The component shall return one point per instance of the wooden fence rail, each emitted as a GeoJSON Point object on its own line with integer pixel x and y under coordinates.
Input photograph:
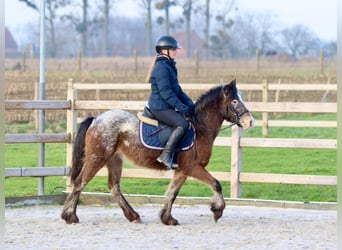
{"type": "Point", "coordinates": [236, 142]}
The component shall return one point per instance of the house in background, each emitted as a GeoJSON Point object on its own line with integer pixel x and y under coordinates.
{"type": "Point", "coordinates": [11, 46]}
{"type": "Point", "coordinates": [196, 43]}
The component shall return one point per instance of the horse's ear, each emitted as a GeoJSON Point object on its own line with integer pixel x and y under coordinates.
{"type": "Point", "coordinates": [228, 88]}
{"type": "Point", "coordinates": [233, 83]}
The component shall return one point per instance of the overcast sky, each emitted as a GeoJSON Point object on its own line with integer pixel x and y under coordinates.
{"type": "Point", "coordinates": [319, 15]}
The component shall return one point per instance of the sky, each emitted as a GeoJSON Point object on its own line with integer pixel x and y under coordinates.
{"type": "Point", "coordinates": [319, 15]}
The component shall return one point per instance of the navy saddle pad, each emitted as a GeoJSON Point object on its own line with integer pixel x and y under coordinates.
{"type": "Point", "coordinates": [155, 137]}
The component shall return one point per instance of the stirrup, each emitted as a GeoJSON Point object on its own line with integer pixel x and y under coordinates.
{"type": "Point", "coordinates": [170, 165]}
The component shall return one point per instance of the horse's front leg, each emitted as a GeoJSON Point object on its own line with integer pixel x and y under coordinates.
{"type": "Point", "coordinates": [217, 203]}
{"type": "Point", "coordinates": [176, 183]}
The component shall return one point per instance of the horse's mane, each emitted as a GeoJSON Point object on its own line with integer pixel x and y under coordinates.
{"type": "Point", "coordinates": [210, 96]}
{"type": "Point", "coordinates": [211, 99]}
{"type": "Point", "coordinates": [208, 99]}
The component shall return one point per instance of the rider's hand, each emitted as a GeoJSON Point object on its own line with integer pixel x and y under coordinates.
{"type": "Point", "coordinates": [189, 112]}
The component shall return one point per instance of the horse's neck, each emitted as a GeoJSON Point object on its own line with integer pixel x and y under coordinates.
{"type": "Point", "coordinates": [209, 127]}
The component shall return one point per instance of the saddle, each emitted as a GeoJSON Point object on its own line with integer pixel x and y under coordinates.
{"type": "Point", "coordinates": [154, 134]}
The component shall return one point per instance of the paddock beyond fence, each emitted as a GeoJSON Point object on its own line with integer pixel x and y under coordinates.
{"type": "Point", "coordinates": [236, 176]}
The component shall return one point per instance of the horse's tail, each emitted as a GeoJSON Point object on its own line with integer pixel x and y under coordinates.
{"type": "Point", "coordinates": [78, 149]}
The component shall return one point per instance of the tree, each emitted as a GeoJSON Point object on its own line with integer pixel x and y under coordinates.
{"type": "Point", "coordinates": [81, 24]}
{"type": "Point", "coordinates": [330, 49]}
{"type": "Point", "coordinates": [106, 8]}
{"type": "Point", "coordinates": [219, 42]}
{"type": "Point", "coordinates": [52, 9]}
{"type": "Point", "coordinates": [253, 31]}
{"type": "Point", "coordinates": [165, 5]}
{"type": "Point", "coordinates": [298, 40]}
{"type": "Point", "coordinates": [187, 9]}
{"type": "Point", "coordinates": [83, 27]}
{"type": "Point", "coordinates": [30, 4]}
{"type": "Point", "coordinates": [148, 25]}
{"type": "Point", "coordinates": [207, 25]}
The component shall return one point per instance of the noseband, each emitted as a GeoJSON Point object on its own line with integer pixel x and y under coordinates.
{"type": "Point", "coordinates": [237, 114]}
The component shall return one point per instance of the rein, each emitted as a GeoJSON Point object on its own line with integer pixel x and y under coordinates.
{"type": "Point", "coordinates": [229, 126]}
{"type": "Point", "coordinates": [192, 118]}
{"type": "Point", "coordinates": [193, 121]}
{"type": "Point", "coordinates": [229, 107]}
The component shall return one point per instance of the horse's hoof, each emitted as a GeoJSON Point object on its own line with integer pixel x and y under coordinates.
{"type": "Point", "coordinates": [217, 213]}
{"type": "Point", "coordinates": [173, 223]}
{"type": "Point", "coordinates": [132, 217]}
{"type": "Point", "coordinates": [167, 219]}
{"type": "Point", "coordinates": [138, 221]}
{"type": "Point", "coordinates": [170, 222]}
{"type": "Point", "coordinates": [70, 218]}
{"type": "Point", "coordinates": [217, 217]}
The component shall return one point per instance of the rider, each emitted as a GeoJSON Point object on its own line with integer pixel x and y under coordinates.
{"type": "Point", "coordinates": [167, 101]}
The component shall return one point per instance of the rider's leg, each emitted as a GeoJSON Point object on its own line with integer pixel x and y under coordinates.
{"type": "Point", "coordinates": [180, 124]}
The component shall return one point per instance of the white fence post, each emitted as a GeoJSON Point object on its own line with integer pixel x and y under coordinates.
{"type": "Point", "coordinates": [236, 163]}
{"type": "Point", "coordinates": [71, 127]}
{"type": "Point", "coordinates": [264, 114]}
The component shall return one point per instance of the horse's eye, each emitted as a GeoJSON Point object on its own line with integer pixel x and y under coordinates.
{"type": "Point", "coordinates": [235, 102]}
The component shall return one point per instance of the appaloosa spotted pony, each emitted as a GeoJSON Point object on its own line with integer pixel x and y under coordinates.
{"type": "Point", "coordinates": [105, 139]}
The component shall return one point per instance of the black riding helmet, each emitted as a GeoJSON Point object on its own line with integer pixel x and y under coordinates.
{"type": "Point", "coordinates": [166, 42]}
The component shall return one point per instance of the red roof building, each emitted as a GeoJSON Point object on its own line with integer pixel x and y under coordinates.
{"type": "Point", "coordinates": [11, 46]}
{"type": "Point", "coordinates": [196, 43]}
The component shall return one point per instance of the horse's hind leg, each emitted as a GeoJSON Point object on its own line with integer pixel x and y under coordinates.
{"type": "Point", "coordinates": [91, 166]}
{"type": "Point", "coordinates": [176, 183]}
{"type": "Point", "coordinates": [70, 204]}
{"type": "Point", "coordinates": [114, 166]}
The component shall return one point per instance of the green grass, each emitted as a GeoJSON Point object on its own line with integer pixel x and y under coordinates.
{"type": "Point", "coordinates": [256, 160]}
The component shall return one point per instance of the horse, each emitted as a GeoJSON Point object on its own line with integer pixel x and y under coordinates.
{"type": "Point", "coordinates": [105, 139]}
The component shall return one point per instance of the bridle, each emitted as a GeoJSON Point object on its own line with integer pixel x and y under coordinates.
{"type": "Point", "coordinates": [233, 109]}
{"type": "Point", "coordinates": [236, 114]}
{"type": "Point", "coordinates": [229, 107]}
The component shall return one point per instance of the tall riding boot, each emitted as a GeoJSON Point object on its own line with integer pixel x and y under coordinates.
{"type": "Point", "coordinates": [166, 156]}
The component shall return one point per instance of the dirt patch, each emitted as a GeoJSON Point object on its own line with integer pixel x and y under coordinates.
{"type": "Point", "coordinates": [241, 227]}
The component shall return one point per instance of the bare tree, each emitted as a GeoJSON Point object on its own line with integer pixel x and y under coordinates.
{"type": "Point", "coordinates": [105, 27]}
{"type": "Point", "coordinates": [330, 49]}
{"type": "Point", "coordinates": [105, 9]}
{"type": "Point", "coordinates": [187, 10]}
{"type": "Point", "coordinates": [207, 26]}
{"type": "Point", "coordinates": [129, 34]}
{"type": "Point", "coordinates": [219, 42]}
{"type": "Point", "coordinates": [298, 40]}
{"type": "Point", "coordinates": [253, 31]}
{"type": "Point", "coordinates": [30, 4]}
{"type": "Point", "coordinates": [52, 7]}
{"type": "Point", "coordinates": [165, 5]}
{"type": "Point", "coordinates": [81, 24]}
{"type": "Point", "coordinates": [83, 27]}
{"type": "Point", "coordinates": [146, 4]}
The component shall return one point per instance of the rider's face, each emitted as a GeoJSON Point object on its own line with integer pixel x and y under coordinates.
{"type": "Point", "coordinates": [172, 53]}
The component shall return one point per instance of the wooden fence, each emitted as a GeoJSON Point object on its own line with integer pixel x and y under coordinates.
{"type": "Point", "coordinates": [236, 176]}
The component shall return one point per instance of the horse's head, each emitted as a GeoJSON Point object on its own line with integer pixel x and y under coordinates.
{"type": "Point", "coordinates": [233, 109]}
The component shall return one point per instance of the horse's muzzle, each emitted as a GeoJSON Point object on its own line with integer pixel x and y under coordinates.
{"type": "Point", "coordinates": [246, 121]}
